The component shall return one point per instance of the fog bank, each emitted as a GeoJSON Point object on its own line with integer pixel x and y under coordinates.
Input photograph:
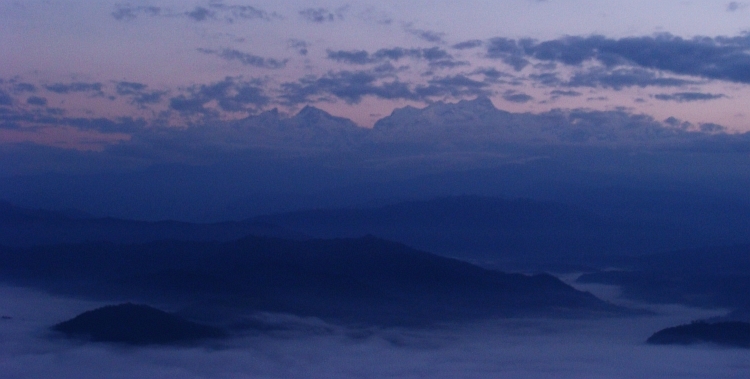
{"type": "Point", "coordinates": [609, 348]}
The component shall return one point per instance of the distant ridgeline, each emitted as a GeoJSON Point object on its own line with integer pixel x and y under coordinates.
{"type": "Point", "coordinates": [27, 227]}
{"type": "Point", "coordinates": [733, 333]}
{"type": "Point", "coordinates": [362, 281]}
{"type": "Point", "coordinates": [467, 227]}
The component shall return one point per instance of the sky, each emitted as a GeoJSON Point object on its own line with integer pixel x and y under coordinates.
{"type": "Point", "coordinates": [67, 64]}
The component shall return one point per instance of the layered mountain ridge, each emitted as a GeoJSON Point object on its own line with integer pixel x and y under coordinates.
{"type": "Point", "coordinates": [361, 281]}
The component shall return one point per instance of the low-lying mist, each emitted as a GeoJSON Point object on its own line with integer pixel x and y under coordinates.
{"type": "Point", "coordinates": [511, 348]}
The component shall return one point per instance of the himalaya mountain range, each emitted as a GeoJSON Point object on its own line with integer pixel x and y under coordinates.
{"type": "Point", "coordinates": [270, 163]}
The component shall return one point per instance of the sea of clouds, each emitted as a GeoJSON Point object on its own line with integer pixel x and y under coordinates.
{"type": "Point", "coordinates": [529, 348]}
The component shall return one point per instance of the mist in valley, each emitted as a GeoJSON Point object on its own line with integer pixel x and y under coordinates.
{"type": "Point", "coordinates": [514, 348]}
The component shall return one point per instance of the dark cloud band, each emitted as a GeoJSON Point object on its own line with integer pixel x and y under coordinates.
{"type": "Point", "coordinates": [436, 56]}
{"type": "Point", "coordinates": [62, 88]}
{"type": "Point", "coordinates": [724, 58]}
{"type": "Point", "coordinates": [230, 95]}
{"type": "Point", "coordinates": [688, 96]}
{"type": "Point", "coordinates": [246, 58]}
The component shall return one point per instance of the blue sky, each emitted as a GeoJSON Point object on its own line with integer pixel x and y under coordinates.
{"type": "Point", "coordinates": [177, 63]}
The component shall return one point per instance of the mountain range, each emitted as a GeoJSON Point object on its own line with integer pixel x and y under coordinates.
{"type": "Point", "coordinates": [484, 229]}
{"type": "Point", "coordinates": [271, 162]}
{"type": "Point", "coordinates": [363, 281]}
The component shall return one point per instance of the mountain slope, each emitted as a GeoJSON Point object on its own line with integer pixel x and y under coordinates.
{"type": "Point", "coordinates": [365, 280]}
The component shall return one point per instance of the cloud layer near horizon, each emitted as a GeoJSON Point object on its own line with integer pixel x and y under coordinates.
{"type": "Point", "coordinates": [199, 66]}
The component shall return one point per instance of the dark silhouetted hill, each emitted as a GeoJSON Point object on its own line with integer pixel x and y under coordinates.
{"type": "Point", "coordinates": [365, 280]}
{"type": "Point", "coordinates": [135, 325]}
{"type": "Point", "coordinates": [735, 334]}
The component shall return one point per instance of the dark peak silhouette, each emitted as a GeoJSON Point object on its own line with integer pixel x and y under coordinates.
{"type": "Point", "coordinates": [364, 281]}
{"type": "Point", "coordinates": [733, 333]}
{"type": "Point", "coordinates": [135, 325]}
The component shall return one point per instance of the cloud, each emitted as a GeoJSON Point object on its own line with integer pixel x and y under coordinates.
{"type": "Point", "coordinates": [447, 63]}
{"type": "Point", "coordinates": [429, 54]}
{"type": "Point", "coordinates": [455, 86]}
{"type": "Point", "coordinates": [712, 128]}
{"type": "Point", "coordinates": [125, 12]}
{"type": "Point", "coordinates": [129, 88]}
{"type": "Point", "coordinates": [436, 56]}
{"type": "Point", "coordinates": [213, 11]}
{"type": "Point", "coordinates": [43, 118]}
{"type": "Point", "coordinates": [374, 16]}
{"type": "Point", "coordinates": [426, 35]}
{"type": "Point", "coordinates": [200, 14]}
{"type": "Point", "coordinates": [299, 45]}
{"type": "Point", "coordinates": [677, 123]}
{"type": "Point", "coordinates": [24, 87]}
{"type": "Point", "coordinates": [517, 97]}
{"type": "Point", "coordinates": [557, 93]}
{"type": "Point", "coordinates": [688, 96]}
{"type": "Point", "coordinates": [468, 44]}
{"type": "Point", "coordinates": [509, 51]}
{"type": "Point", "coordinates": [620, 78]}
{"type": "Point", "coordinates": [246, 59]}
{"type": "Point", "coordinates": [723, 58]}
{"type": "Point", "coordinates": [232, 13]}
{"type": "Point", "coordinates": [138, 93]}
{"type": "Point", "coordinates": [350, 86]}
{"type": "Point", "coordinates": [735, 6]}
{"type": "Point", "coordinates": [36, 100]}
{"type": "Point", "coordinates": [230, 95]}
{"type": "Point", "coordinates": [491, 74]}
{"type": "Point", "coordinates": [5, 98]}
{"type": "Point", "coordinates": [321, 15]}
{"type": "Point", "coordinates": [548, 79]}
{"type": "Point", "coordinates": [351, 56]}
{"type": "Point", "coordinates": [61, 88]}
{"type": "Point", "coordinates": [106, 125]}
